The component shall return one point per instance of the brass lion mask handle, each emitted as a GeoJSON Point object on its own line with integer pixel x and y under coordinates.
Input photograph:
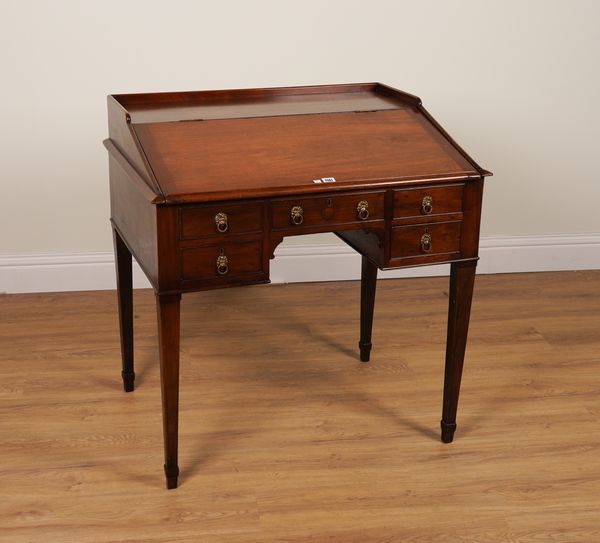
{"type": "Point", "coordinates": [427, 205]}
{"type": "Point", "coordinates": [297, 215]}
{"type": "Point", "coordinates": [362, 210]}
{"type": "Point", "coordinates": [222, 263]}
{"type": "Point", "coordinates": [222, 222]}
{"type": "Point", "coordinates": [426, 242]}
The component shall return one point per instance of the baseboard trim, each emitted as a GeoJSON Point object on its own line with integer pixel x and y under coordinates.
{"type": "Point", "coordinates": [306, 263]}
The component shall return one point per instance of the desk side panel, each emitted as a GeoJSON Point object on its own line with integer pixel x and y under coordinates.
{"type": "Point", "coordinates": [134, 216]}
{"type": "Point", "coordinates": [124, 138]}
{"type": "Point", "coordinates": [472, 202]}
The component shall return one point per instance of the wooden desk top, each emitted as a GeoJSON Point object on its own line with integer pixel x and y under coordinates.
{"type": "Point", "coordinates": [218, 145]}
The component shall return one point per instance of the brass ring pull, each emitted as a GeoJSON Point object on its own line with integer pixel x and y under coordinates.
{"type": "Point", "coordinates": [221, 222]}
{"type": "Point", "coordinates": [427, 205]}
{"type": "Point", "coordinates": [297, 215]}
{"type": "Point", "coordinates": [363, 210]}
{"type": "Point", "coordinates": [426, 242]}
{"type": "Point", "coordinates": [222, 263]}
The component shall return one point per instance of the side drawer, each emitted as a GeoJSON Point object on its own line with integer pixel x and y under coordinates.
{"type": "Point", "coordinates": [220, 220]}
{"type": "Point", "coordinates": [230, 258]}
{"type": "Point", "coordinates": [426, 240]}
{"type": "Point", "coordinates": [428, 201]}
{"type": "Point", "coordinates": [306, 212]}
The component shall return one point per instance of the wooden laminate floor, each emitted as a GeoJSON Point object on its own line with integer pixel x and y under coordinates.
{"type": "Point", "coordinates": [285, 436]}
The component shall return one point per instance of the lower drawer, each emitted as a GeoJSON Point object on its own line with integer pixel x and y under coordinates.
{"type": "Point", "coordinates": [430, 239]}
{"type": "Point", "coordinates": [222, 260]}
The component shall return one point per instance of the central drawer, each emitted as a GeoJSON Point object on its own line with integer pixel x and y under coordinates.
{"type": "Point", "coordinates": [335, 209]}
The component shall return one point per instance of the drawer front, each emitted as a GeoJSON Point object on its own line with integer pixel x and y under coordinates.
{"type": "Point", "coordinates": [327, 210]}
{"type": "Point", "coordinates": [427, 201]}
{"type": "Point", "coordinates": [425, 240]}
{"type": "Point", "coordinates": [223, 260]}
{"type": "Point", "coordinates": [221, 220]}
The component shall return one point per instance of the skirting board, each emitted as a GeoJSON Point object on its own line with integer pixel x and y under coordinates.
{"type": "Point", "coordinates": [305, 263]}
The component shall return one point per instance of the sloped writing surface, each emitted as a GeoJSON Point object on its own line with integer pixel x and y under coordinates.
{"type": "Point", "coordinates": [270, 153]}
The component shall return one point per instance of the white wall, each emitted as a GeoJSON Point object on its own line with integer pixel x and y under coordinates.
{"type": "Point", "coordinates": [517, 83]}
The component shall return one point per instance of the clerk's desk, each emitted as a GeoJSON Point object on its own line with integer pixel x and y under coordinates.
{"type": "Point", "coordinates": [205, 185]}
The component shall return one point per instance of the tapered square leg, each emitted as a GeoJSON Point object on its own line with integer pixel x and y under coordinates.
{"type": "Point", "coordinates": [168, 338]}
{"type": "Point", "coordinates": [123, 264]}
{"type": "Point", "coordinates": [462, 277]}
{"type": "Point", "coordinates": [368, 284]}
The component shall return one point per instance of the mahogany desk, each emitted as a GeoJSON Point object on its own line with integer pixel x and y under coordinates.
{"type": "Point", "coordinates": [205, 185]}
